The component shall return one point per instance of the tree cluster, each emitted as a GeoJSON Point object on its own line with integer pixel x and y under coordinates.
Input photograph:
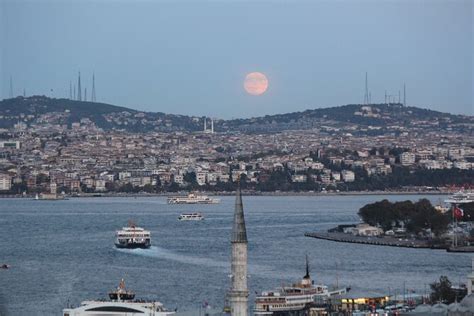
{"type": "Point", "coordinates": [415, 217]}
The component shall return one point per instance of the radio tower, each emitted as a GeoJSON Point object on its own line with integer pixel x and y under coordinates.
{"type": "Point", "coordinates": [79, 93]}
{"type": "Point", "coordinates": [85, 94]}
{"type": "Point", "coordinates": [11, 87]}
{"type": "Point", "coordinates": [70, 90]}
{"type": "Point", "coordinates": [366, 96]}
{"type": "Point", "coordinates": [404, 95]}
{"type": "Point", "coordinates": [93, 98]}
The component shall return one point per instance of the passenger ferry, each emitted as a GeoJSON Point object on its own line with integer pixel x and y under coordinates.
{"type": "Point", "coordinates": [192, 199]}
{"type": "Point", "coordinates": [294, 300]}
{"type": "Point", "coordinates": [121, 302]}
{"type": "Point", "coordinates": [191, 217]}
{"type": "Point", "coordinates": [132, 237]}
{"type": "Point", "coordinates": [461, 197]}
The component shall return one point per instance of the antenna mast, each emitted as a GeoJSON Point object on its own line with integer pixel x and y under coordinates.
{"type": "Point", "coordinates": [79, 89]}
{"type": "Point", "coordinates": [11, 87]}
{"type": "Point", "coordinates": [366, 95]}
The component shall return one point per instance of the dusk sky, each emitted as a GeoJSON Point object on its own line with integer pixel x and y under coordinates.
{"type": "Point", "coordinates": [191, 57]}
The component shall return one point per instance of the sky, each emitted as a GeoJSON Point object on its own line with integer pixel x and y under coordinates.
{"type": "Point", "coordinates": [191, 57]}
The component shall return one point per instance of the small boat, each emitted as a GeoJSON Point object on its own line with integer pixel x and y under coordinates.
{"type": "Point", "coordinates": [5, 266]}
{"type": "Point", "coordinates": [191, 217]}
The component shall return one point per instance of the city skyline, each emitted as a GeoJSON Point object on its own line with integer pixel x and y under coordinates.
{"type": "Point", "coordinates": [317, 57]}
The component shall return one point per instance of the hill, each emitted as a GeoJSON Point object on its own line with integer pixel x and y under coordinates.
{"type": "Point", "coordinates": [375, 118]}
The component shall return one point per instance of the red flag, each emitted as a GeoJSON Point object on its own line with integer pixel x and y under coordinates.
{"type": "Point", "coordinates": [458, 212]}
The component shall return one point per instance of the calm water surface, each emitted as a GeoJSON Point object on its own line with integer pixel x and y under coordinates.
{"type": "Point", "coordinates": [62, 251]}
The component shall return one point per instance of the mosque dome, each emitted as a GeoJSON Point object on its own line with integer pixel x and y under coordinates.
{"type": "Point", "coordinates": [439, 309]}
{"type": "Point", "coordinates": [468, 302]}
{"type": "Point", "coordinates": [423, 308]}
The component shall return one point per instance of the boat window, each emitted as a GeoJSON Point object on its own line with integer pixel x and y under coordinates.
{"type": "Point", "coordinates": [114, 309]}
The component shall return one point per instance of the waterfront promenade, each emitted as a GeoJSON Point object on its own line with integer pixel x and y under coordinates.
{"type": "Point", "coordinates": [378, 241]}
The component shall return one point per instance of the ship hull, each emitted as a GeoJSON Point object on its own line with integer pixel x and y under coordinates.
{"type": "Point", "coordinates": [133, 245]}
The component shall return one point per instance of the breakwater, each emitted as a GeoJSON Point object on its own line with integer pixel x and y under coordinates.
{"type": "Point", "coordinates": [377, 241]}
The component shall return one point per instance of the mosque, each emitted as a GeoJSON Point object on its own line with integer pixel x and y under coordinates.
{"type": "Point", "coordinates": [463, 308]}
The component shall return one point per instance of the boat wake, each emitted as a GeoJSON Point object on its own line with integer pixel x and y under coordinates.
{"type": "Point", "coordinates": [165, 254]}
{"type": "Point", "coordinates": [161, 253]}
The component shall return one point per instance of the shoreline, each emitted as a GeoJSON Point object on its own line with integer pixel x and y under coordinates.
{"type": "Point", "coordinates": [387, 242]}
{"type": "Point", "coordinates": [247, 193]}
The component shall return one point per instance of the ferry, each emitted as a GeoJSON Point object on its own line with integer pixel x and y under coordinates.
{"type": "Point", "coordinates": [121, 302]}
{"type": "Point", "coordinates": [294, 300]}
{"type": "Point", "coordinates": [461, 197]}
{"type": "Point", "coordinates": [191, 217]}
{"type": "Point", "coordinates": [132, 237]}
{"type": "Point", "coordinates": [192, 198]}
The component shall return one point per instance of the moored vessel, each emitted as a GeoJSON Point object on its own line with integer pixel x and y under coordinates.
{"type": "Point", "coordinates": [191, 217]}
{"type": "Point", "coordinates": [461, 197]}
{"type": "Point", "coordinates": [132, 237]}
{"type": "Point", "coordinates": [294, 300]}
{"type": "Point", "coordinates": [121, 302]}
{"type": "Point", "coordinates": [192, 198]}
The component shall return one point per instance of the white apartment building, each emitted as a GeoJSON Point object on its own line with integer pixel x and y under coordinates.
{"type": "Point", "coordinates": [5, 182]}
{"type": "Point", "coordinates": [348, 176]}
{"type": "Point", "coordinates": [407, 158]}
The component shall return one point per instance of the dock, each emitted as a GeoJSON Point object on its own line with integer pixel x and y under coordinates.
{"type": "Point", "coordinates": [377, 241]}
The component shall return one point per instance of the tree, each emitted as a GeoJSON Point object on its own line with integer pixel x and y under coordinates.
{"type": "Point", "coordinates": [190, 177]}
{"type": "Point", "coordinates": [442, 291]}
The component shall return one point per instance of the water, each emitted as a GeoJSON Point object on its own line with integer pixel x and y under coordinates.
{"type": "Point", "coordinates": [62, 251]}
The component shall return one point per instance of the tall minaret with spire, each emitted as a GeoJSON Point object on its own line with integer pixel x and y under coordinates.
{"type": "Point", "coordinates": [238, 294]}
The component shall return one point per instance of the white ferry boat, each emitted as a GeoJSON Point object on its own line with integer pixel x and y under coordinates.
{"type": "Point", "coordinates": [192, 198]}
{"type": "Point", "coordinates": [121, 303]}
{"type": "Point", "coordinates": [293, 300]}
{"type": "Point", "coordinates": [132, 237]}
{"type": "Point", "coordinates": [191, 217]}
{"type": "Point", "coordinates": [461, 197]}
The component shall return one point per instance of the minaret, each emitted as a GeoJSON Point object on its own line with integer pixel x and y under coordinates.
{"type": "Point", "coordinates": [79, 89]}
{"type": "Point", "coordinates": [238, 294]}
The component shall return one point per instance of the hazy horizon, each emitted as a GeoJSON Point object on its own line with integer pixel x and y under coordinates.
{"type": "Point", "coordinates": [191, 58]}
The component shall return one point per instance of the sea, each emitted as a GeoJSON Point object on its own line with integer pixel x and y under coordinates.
{"type": "Point", "coordinates": [62, 252]}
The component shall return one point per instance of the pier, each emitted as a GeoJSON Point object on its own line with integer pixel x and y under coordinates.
{"type": "Point", "coordinates": [377, 241]}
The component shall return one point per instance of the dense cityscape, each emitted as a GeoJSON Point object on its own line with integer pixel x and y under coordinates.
{"type": "Point", "coordinates": [236, 158]}
{"type": "Point", "coordinates": [43, 150]}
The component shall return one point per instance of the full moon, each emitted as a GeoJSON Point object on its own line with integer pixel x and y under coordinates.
{"type": "Point", "coordinates": [255, 83]}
